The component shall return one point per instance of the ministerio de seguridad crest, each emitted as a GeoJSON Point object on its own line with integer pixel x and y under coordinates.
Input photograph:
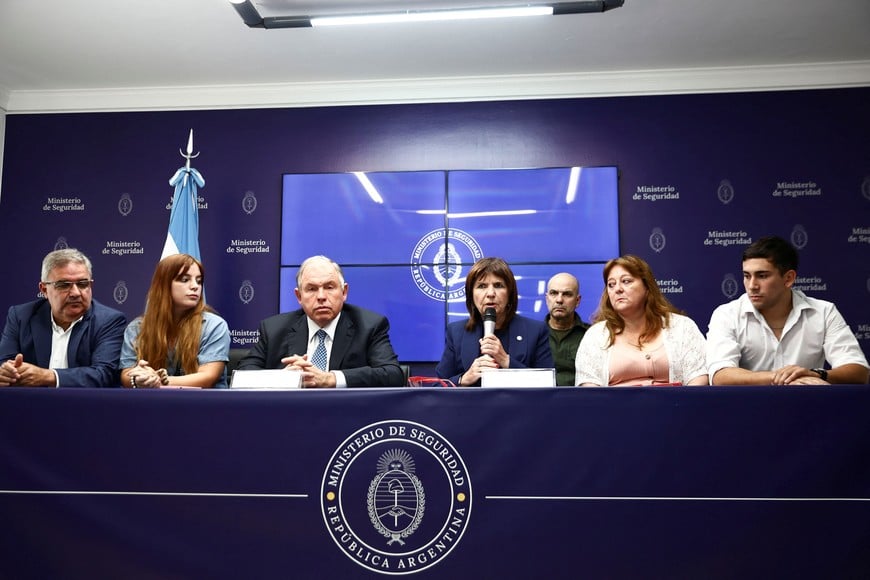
{"type": "Point", "coordinates": [396, 497]}
{"type": "Point", "coordinates": [437, 263]}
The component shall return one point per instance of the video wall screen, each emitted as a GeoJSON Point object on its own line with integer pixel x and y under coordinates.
{"type": "Point", "coordinates": [406, 240]}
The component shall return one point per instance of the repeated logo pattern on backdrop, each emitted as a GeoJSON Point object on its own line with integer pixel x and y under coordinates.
{"type": "Point", "coordinates": [689, 207]}
{"type": "Point", "coordinates": [692, 250]}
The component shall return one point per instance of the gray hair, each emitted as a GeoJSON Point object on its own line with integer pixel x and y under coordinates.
{"type": "Point", "coordinates": [313, 259]}
{"type": "Point", "coordinates": [60, 258]}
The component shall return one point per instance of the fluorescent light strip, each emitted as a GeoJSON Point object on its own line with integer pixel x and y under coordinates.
{"type": "Point", "coordinates": [369, 187]}
{"type": "Point", "coordinates": [470, 14]}
{"type": "Point", "coordinates": [492, 213]}
{"type": "Point", "coordinates": [573, 180]}
{"type": "Point", "coordinates": [476, 213]}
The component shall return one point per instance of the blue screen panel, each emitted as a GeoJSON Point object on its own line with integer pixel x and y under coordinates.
{"type": "Point", "coordinates": [287, 288]}
{"type": "Point", "coordinates": [417, 322]}
{"type": "Point", "coordinates": [538, 215]}
{"type": "Point", "coordinates": [407, 240]}
{"type": "Point", "coordinates": [365, 218]}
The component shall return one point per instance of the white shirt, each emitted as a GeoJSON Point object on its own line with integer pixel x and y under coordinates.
{"type": "Point", "coordinates": [59, 347]}
{"type": "Point", "coordinates": [814, 331]}
{"type": "Point", "coordinates": [684, 344]}
{"type": "Point", "coordinates": [329, 329]}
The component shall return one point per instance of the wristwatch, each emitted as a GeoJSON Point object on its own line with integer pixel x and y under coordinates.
{"type": "Point", "coordinates": [822, 373]}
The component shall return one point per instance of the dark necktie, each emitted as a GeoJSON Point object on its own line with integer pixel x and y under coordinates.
{"type": "Point", "coordinates": [319, 357]}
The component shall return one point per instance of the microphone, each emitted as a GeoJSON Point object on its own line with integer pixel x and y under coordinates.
{"type": "Point", "coordinates": [489, 321]}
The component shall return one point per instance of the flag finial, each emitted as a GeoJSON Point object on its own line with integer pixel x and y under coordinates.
{"type": "Point", "coordinates": [189, 155]}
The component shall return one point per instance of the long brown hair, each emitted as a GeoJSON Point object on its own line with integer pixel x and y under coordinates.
{"type": "Point", "coordinates": [656, 311]}
{"type": "Point", "coordinates": [160, 330]}
{"type": "Point", "coordinates": [496, 267]}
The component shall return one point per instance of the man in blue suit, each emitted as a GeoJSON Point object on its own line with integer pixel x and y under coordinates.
{"type": "Point", "coordinates": [66, 339]}
{"type": "Point", "coordinates": [356, 349]}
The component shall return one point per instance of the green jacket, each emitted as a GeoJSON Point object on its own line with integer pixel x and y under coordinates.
{"type": "Point", "coordinates": [564, 345]}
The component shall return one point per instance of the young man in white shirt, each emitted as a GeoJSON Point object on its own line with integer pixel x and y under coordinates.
{"type": "Point", "coordinates": [776, 335]}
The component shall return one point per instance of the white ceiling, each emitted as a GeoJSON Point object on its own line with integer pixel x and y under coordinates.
{"type": "Point", "coordinates": [77, 55]}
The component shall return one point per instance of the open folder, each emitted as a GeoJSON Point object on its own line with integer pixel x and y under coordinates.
{"type": "Point", "coordinates": [266, 379]}
{"type": "Point", "coordinates": [518, 378]}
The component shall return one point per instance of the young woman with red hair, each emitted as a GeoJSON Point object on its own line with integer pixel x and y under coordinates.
{"type": "Point", "coordinates": [179, 340]}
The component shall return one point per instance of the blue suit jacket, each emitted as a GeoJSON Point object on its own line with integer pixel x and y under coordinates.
{"type": "Point", "coordinates": [94, 345]}
{"type": "Point", "coordinates": [361, 347]}
{"type": "Point", "coordinates": [527, 341]}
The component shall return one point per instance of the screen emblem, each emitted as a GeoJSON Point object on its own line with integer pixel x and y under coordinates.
{"type": "Point", "coordinates": [439, 263]}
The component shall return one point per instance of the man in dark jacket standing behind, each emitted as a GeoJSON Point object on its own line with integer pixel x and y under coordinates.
{"type": "Point", "coordinates": [566, 328]}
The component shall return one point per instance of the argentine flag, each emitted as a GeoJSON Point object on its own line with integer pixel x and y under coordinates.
{"type": "Point", "coordinates": [183, 234]}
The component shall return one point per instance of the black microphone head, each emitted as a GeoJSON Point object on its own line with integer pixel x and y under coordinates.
{"type": "Point", "coordinates": [488, 321]}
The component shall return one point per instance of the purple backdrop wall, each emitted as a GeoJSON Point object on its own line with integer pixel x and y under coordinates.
{"type": "Point", "coordinates": [701, 177]}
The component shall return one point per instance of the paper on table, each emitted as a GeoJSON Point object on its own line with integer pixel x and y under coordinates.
{"type": "Point", "coordinates": [266, 379]}
{"type": "Point", "coordinates": [518, 378]}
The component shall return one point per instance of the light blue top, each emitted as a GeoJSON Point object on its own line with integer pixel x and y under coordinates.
{"type": "Point", "coordinates": [214, 345]}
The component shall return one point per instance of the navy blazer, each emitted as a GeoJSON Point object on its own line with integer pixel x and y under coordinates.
{"type": "Point", "coordinates": [527, 341]}
{"type": "Point", "coordinates": [361, 347]}
{"type": "Point", "coordinates": [94, 346]}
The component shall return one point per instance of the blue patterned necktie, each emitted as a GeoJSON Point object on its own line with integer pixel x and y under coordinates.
{"type": "Point", "coordinates": [319, 357]}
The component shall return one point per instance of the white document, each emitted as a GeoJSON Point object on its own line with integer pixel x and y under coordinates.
{"type": "Point", "coordinates": [518, 378]}
{"type": "Point", "coordinates": [266, 379]}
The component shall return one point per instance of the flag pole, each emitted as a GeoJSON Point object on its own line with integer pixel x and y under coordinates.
{"type": "Point", "coordinates": [182, 236]}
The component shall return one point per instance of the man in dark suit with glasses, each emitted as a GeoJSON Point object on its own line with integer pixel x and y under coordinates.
{"type": "Point", "coordinates": [66, 339]}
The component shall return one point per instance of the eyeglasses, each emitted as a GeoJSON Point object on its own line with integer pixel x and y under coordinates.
{"type": "Point", "coordinates": [65, 285]}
